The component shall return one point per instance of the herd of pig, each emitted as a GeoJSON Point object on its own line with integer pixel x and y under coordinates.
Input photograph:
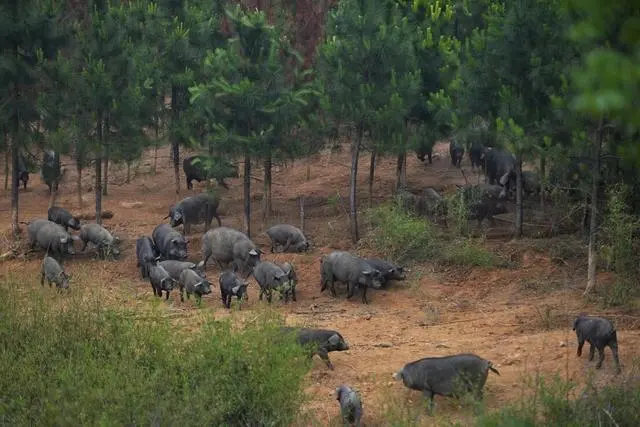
{"type": "Point", "coordinates": [161, 258]}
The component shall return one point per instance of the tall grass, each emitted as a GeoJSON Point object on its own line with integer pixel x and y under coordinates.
{"type": "Point", "coordinates": [66, 360]}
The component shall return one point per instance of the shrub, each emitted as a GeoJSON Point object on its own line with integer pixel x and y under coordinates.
{"type": "Point", "coordinates": [466, 252]}
{"type": "Point", "coordinates": [69, 361]}
{"type": "Point", "coordinates": [401, 236]}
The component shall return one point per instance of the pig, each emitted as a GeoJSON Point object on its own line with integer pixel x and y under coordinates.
{"type": "Point", "coordinates": [477, 152]}
{"type": "Point", "coordinates": [484, 201]}
{"type": "Point", "coordinates": [63, 217]}
{"type": "Point", "coordinates": [321, 341]}
{"type": "Point", "coordinates": [226, 245]}
{"type": "Point", "coordinates": [456, 152]}
{"type": "Point", "coordinates": [103, 240]}
{"type": "Point", "coordinates": [202, 168]}
{"type": "Point", "coordinates": [425, 150]}
{"type": "Point", "coordinates": [146, 254]}
{"type": "Point", "coordinates": [170, 243]}
{"type": "Point", "coordinates": [350, 405]}
{"type": "Point", "coordinates": [388, 270]}
{"type": "Point", "coordinates": [232, 286]}
{"type": "Point", "coordinates": [270, 276]}
{"type": "Point", "coordinates": [54, 273]}
{"type": "Point", "coordinates": [500, 168]}
{"type": "Point", "coordinates": [195, 210]}
{"type": "Point", "coordinates": [193, 283]}
{"type": "Point", "coordinates": [446, 376]}
{"type": "Point", "coordinates": [530, 182]}
{"type": "Point", "coordinates": [51, 172]}
{"type": "Point", "coordinates": [32, 230]}
{"type": "Point", "coordinates": [351, 270]}
{"type": "Point", "coordinates": [54, 239]}
{"type": "Point", "coordinates": [287, 238]}
{"type": "Point", "coordinates": [175, 268]}
{"type": "Point", "coordinates": [160, 280]}
{"type": "Point", "coordinates": [599, 333]}
{"type": "Point", "coordinates": [290, 289]}
{"type": "Point", "coordinates": [23, 172]}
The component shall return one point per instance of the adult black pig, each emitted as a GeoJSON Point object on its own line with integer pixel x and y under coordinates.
{"type": "Point", "coordinates": [54, 239]}
{"type": "Point", "coordinates": [195, 210]}
{"type": "Point", "coordinates": [599, 333]}
{"type": "Point", "coordinates": [231, 286]}
{"type": "Point", "coordinates": [202, 168]}
{"type": "Point", "coordinates": [146, 254]}
{"type": "Point", "coordinates": [170, 243]}
{"type": "Point", "coordinates": [388, 271]}
{"type": "Point", "coordinates": [456, 152]}
{"type": "Point", "coordinates": [287, 238]}
{"type": "Point", "coordinates": [349, 269]}
{"type": "Point", "coordinates": [446, 376]}
{"type": "Point", "coordinates": [63, 217]}
{"type": "Point", "coordinates": [51, 172]}
{"type": "Point", "coordinates": [270, 277]}
{"type": "Point", "coordinates": [319, 341]}
{"type": "Point", "coordinates": [226, 245]}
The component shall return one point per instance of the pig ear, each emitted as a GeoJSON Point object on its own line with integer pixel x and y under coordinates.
{"type": "Point", "coordinates": [391, 270]}
{"type": "Point", "coordinates": [200, 264]}
{"type": "Point", "coordinates": [367, 273]}
{"type": "Point", "coordinates": [235, 289]}
{"type": "Point", "coordinates": [253, 252]}
{"type": "Point", "coordinates": [63, 240]}
{"type": "Point", "coordinates": [337, 393]}
{"type": "Point", "coordinates": [334, 339]}
{"type": "Point", "coordinates": [116, 239]}
{"type": "Point", "coordinates": [174, 241]}
{"type": "Point", "coordinates": [74, 237]}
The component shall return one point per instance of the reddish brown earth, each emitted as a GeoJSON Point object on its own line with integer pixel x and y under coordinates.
{"type": "Point", "coordinates": [520, 318]}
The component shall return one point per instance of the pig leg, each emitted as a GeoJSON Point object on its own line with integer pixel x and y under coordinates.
{"type": "Point", "coordinates": [580, 345]}
{"type": "Point", "coordinates": [293, 293]}
{"type": "Point", "coordinates": [364, 294]}
{"type": "Point", "coordinates": [428, 394]}
{"type": "Point", "coordinates": [84, 245]}
{"type": "Point", "coordinates": [217, 217]}
{"type": "Point", "coordinates": [592, 351]}
{"type": "Point", "coordinates": [324, 355]}
{"type": "Point", "coordinates": [600, 357]}
{"type": "Point", "coordinates": [42, 279]}
{"type": "Point", "coordinates": [350, 290]}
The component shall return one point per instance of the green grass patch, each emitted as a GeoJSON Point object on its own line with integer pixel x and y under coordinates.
{"type": "Point", "coordinates": [404, 237]}
{"type": "Point", "coordinates": [67, 360]}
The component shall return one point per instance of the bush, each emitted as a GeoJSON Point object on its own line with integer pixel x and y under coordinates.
{"type": "Point", "coordinates": [550, 406]}
{"type": "Point", "coordinates": [466, 252]}
{"type": "Point", "coordinates": [401, 236]}
{"type": "Point", "coordinates": [68, 361]}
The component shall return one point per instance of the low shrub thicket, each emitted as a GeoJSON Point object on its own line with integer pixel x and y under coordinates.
{"type": "Point", "coordinates": [404, 237]}
{"type": "Point", "coordinates": [68, 361]}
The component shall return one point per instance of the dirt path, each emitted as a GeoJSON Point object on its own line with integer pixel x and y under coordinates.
{"type": "Point", "coordinates": [510, 316]}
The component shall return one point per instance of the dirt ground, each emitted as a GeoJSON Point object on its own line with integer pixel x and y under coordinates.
{"type": "Point", "coordinates": [519, 318]}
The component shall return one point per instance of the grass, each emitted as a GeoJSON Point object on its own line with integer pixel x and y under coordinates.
{"type": "Point", "coordinates": [67, 360]}
{"type": "Point", "coordinates": [403, 237]}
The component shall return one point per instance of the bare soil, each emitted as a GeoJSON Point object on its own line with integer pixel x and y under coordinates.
{"type": "Point", "coordinates": [519, 318]}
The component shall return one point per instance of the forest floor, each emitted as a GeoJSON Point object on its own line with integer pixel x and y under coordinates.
{"type": "Point", "coordinates": [518, 317]}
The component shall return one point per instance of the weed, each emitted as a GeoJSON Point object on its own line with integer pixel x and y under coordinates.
{"type": "Point", "coordinates": [466, 252]}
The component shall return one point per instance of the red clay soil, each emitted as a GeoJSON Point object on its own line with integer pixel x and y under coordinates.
{"type": "Point", "coordinates": [519, 318]}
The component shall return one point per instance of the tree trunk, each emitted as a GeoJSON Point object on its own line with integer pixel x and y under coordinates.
{"type": "Point", "coordinates": [308, 171]}
{"type": "Point", "coordinates": [106, 172]}
{"type": "Point", "coordinates": [355, 153]}
{"type": "Point", "coordinates": [98, 173]}
{"type": "Point", "coordinates": [266, 212]}
{"type": "Point", "coordinates": [401, 171]}
{"type": "Point", "coordinates": [177, 105]}
{"type": "Point", "coordinates": [543, 174]}
{"type": "Point", "coordinates": [519, 210]}
{"type": "Point", "coordinates": [128, 172]}
{"type": "Point", "coordinates": [79, 185]}
{"type": "Point", "coordinates": [15, 185]}
{"type": "Point", "coordinates": [372, 171]}
{"type": "Point", "coordinates": [7, 159]}
{"type": "Point", "coordinates": [593, 225]}
{"type": "Point", "coordinates": [155, 151]}
{"type": "Point", "coordinates": [247, 194]}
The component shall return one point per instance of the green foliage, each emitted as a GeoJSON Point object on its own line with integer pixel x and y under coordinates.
{"type": "Point", "coordinates": [612, 405]}
{"type": "Point", "coordinates": [369, 69]}
{"type": "Point", "coordinates": [63, 357]}
{"type": "Point", "coordinates": [401, 236]}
